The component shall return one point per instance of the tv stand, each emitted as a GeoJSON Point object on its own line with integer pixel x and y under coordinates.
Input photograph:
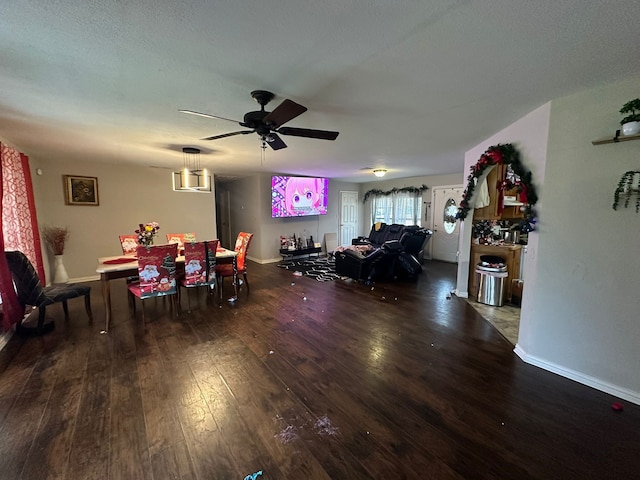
{"type": "Point", "coordinates": [298, 252]}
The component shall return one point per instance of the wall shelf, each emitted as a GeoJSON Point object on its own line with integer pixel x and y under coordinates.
{"type": "Point", "coordinates": [616, 139]}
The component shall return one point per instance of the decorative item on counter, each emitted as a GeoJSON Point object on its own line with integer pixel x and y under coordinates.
{"type": "Point", "coordinates": [146, 232]}
{"type": "Point", "coordinates": [520, 178]}
{"type": "Point", "coordinates": [628, 187]}
{"type": "Point", "coordinates": [631, 123]}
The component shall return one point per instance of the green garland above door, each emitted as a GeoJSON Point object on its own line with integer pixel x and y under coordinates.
{"type": "Point", "coordinates": [504, 154]}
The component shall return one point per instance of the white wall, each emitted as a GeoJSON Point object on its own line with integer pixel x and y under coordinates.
{"type": "Point", "coordinates": [251, 209]}
{"type": "Point", "coordinates": [579, 310]}
{"type": "Point", "coordinates": [128, 196]}
{"type": "Point", "coordinates": [584, 322]}
{"type": "Point", "coordinates": [529, 136]}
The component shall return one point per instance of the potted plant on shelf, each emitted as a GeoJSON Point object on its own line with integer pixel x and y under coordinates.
{"type": "Point", "coordinates": [631, 123]}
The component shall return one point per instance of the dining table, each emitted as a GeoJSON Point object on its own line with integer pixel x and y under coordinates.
{"type": "Point", "coordinates": [123, 266]}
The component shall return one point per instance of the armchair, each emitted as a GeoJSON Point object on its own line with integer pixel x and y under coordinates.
{"type": "Point", "coordinates": [31, 292]}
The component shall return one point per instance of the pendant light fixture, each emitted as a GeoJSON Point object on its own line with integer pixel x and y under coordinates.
{"type": "Point", "coordinates": [380, 172]}
{"type": "Point", "coordinates": [192, 178]}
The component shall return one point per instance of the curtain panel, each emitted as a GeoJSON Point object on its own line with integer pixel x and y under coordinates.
{"type": "Point", "coordinates": [398, 207]}
{"type": "Point", "coordinates": [19, 226]}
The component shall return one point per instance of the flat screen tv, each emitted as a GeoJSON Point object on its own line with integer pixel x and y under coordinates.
{"type": "Point", "coordinates": [298, 196]}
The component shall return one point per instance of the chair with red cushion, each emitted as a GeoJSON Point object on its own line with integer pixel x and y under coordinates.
{"type": "Point", "coordinates": [199, 267]}
{"type": "Point", "coordinates": [157, 274]}
{"type": "Point", "coordinates": [226, 269]}
{"type": "Point", "coordinates": [181, 239]}
{"type": "Point", "coordinates": [129, 244]}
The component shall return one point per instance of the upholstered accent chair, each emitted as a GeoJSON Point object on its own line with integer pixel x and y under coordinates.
{"type": "Point", "coordinates": [199, 268]}
{"type": "Point", "coordinates": [129, 244]}
{"type": "Point", "coordinates": [156, 273]}
{"type": "Point", "coordinates": [226, 269]}
{"type": "Point", "coordinates": [181, 239]}
{"type": "Point", "coordinates": [31, 292]}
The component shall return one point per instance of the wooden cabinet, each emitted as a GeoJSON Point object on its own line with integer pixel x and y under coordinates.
{"type": "Point", "coordinates": [491, 211]}
{"type": "Point", "coordinates": [511, 255]}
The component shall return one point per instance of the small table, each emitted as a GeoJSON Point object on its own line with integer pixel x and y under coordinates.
{"type": "Point", "coordinates": [308, 251]}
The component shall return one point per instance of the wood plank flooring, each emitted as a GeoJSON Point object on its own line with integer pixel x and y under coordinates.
{"type": "Point", "coordinates": [301, 380]}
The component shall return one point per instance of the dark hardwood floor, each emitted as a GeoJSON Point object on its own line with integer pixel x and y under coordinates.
{"type": "Point", "coordinates": [300, 380]}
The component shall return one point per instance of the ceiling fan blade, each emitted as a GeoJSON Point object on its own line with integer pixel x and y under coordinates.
{"type": "Point", "coordinates": [284, 112]}
{"type": "Point", "coordinates": [308, 133]}
{"type": "Point", "coordinates": [207, 115]}
{"type": "Point", "coordinates": [275, 142]}
{"type": "Point", "coordinates": [224, 135]}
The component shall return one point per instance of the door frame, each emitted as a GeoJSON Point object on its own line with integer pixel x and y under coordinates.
{"type": "Point", "coordinates": [429, 214]}
{"type": "Point", "coordinates": [357, 193]}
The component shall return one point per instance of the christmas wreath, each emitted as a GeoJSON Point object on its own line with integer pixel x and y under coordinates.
{"type": "Point", "coordinates": [520, 179]}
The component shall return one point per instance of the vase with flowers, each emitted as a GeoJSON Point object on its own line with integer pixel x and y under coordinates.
{"type": "Point", "coordinates": [55, 239]}
{"type": "Point", "coordinates": [146, 232]}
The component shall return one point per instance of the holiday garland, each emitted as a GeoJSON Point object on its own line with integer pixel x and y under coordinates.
{"type": "Point", "coordinates": [508, 155]}
{"type": "Point", "coordinates": [377, 193]}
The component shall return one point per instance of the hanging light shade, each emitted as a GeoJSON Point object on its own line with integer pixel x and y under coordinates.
{"type": "Point", "coordinates": [380, 172]}
{"type": "Point", "coordinates": [191, 178]}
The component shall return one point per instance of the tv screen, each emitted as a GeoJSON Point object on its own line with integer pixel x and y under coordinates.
{"type": "Point", "coordinates": [298, 196]}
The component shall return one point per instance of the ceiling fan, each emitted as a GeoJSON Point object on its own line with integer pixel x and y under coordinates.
{"type": "Point", "coordinates": [269, 124]}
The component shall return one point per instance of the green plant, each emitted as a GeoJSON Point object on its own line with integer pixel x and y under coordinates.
{"type": "Point", "coordinates": [627, 187]}
{"type": "Point", "coordinates": [632, 107]}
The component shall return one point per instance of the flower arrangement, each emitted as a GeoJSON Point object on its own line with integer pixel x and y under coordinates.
{"type": "Point", "coordinates": [55, 238]}
{"type": "Point", "coordinates": [146, 232]}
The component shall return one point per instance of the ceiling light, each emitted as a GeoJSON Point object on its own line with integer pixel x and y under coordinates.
{"type": "Point", "coordinates": [380, 172]}
{"type": "Point", "coordinates": [191, 178]}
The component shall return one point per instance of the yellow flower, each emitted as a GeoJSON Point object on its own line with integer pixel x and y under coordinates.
{"type": "Point", "coordinates": [148, 228]}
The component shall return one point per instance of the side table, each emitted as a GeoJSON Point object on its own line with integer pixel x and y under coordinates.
{"type": "Point", "coordinates": [298, 252]}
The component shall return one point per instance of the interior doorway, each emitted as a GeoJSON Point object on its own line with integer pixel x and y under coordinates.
{"type": "Point", "coordinates": [348, 217]}
{"type": "Point", "coordinates": [446, 230]}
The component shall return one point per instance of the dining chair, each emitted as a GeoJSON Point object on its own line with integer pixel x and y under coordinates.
{"type": "Point", "coordinates": [157, 274]}
{"type": "Point", "coordinates": [181, 239]}
{"type": "Point", "coordinates": [129, 244]}
{"type": "Point", "coordinates": [199, 268]}
{"type": "Point", "coordinates": [31, 292]}
{"type": "Point", "coordinates": [226, 269]}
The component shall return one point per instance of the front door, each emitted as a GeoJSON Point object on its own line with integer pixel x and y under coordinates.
{"type": "Point", "coordinates": [446, 228]}
{"type": "Point", "coordinates": [348, 217]}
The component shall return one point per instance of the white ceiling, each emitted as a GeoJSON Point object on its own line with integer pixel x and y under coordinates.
{"type": "Point", "coordinates": [409, 84]}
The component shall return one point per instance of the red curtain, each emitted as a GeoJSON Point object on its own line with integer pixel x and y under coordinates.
{"type": "Point", "coordinates": [19, 226]}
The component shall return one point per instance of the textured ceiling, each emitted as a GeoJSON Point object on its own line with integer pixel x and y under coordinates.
{"type": "Point", "coordinates": [409, 84]}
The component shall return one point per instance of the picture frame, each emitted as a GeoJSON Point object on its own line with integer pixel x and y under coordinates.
{"type": "Point", "coordinates": [79, 190]}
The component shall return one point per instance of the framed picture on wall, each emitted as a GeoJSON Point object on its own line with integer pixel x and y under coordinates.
{"type": "Point", "coordinates": [80, 190]}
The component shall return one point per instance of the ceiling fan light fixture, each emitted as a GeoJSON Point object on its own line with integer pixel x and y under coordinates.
{"type": "Point", "coordinates": [379, 172]}
{"type": "Point", "coordinates": [191, 178]}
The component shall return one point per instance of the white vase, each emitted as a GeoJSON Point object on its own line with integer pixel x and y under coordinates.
{"type": "Point", "coordinates": [59, 272]}
{"type": "Point", "coordinates": [631, 128]}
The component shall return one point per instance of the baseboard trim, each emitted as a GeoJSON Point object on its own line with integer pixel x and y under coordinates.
{"type": "Point", "coordinates": [616, 391]}
{"type": "Point", "coordinates": [263, 261]}
{"type": "Point", "coordinates": [460, 294]}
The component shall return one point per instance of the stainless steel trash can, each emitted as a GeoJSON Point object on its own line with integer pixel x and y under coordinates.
{"type": "Point", "coordinates": [490, 281]}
